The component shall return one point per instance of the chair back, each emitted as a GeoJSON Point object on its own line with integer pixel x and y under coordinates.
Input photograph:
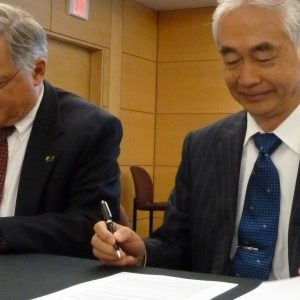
{"type": "Point", "coordinates": [143, 185]}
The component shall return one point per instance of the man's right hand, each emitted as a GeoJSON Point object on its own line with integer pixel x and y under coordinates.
{"type": "Point", "coordinates": [131, 244]}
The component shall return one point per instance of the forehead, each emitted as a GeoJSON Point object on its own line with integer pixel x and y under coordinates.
{"type": "Point", "coordinates": [249, 25]}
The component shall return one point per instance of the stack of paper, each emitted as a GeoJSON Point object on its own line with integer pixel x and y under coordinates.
{"type": "Point", "coordinates": [287, 289]}
{"type": "Point", "coordinates": [130, 286]}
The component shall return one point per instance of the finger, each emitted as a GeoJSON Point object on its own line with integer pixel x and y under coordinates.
{"type": "Point", "coordinates": [103, 233]}
{"type": "Point", "coordinates": [125, 261]}
{"type": "Point", "coordinates": [299, 271]}
{"type": "Point", "coordinates": [100, 228]}
{"type": "Point", "coordinates": [103, 248]}
{"type": "Point", "coordinates": [123, 234]}
{"type": "Point", "coordinates": [107, 256]}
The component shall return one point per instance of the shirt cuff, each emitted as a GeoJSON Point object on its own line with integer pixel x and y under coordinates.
{"type": "Point", "coordinates": [145, 259]}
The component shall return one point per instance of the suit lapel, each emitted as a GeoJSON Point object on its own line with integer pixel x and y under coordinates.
{"type": "Point", "coordinates": [228, 156]}
{"type": "Point", "coordinates": [41, 154]}
{"type": "Point", "coordinates": [294, 231]}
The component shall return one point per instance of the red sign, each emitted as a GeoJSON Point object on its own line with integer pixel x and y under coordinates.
{"type": "Point", "coordinates": [79, 8]}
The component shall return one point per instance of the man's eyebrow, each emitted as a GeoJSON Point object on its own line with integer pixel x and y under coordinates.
{"type": "Point", "coordinates": [265, 46]}
{"type": "Point", "coordinates": [225, 50]}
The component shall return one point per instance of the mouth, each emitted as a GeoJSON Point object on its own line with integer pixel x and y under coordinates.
{"type": "Point", "coordinates": [252, 97]}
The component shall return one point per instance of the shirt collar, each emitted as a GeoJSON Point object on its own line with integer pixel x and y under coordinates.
{"type": "Point", "coordinates": [286, 131]}
{"type": "Point", "coordinates": [26, 122]}
{"type": "Point", "coordinates": [252, 128]}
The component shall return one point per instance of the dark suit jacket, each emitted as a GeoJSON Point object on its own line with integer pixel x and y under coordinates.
{"type": "Point", "coordinates": [70, 164]}
{"type": "Point", "coordinates": [199, 224]}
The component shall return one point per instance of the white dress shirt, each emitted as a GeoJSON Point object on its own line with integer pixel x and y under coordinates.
{"type": "Point", "coordinates": [17, 144]}
{"type": "Point", "coordinates": [286, 159]}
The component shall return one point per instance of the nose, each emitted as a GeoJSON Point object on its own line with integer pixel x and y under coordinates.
{"type": "Point", "coordinates": [249, 74]}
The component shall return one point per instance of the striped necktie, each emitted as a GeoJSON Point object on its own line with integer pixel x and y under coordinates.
{"type": "Point", "coordinates": [5, 132]}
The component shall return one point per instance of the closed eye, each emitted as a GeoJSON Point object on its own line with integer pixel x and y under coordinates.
{"type": "Point", "coordinates": [3, 83]}
{"type": "Point", "coordinates": [231, 63]}
{"type": "Point", "coordinates": [264, 59]}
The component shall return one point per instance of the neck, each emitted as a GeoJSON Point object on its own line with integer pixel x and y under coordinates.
{"type": "Point", "coordinates": [270, 123]}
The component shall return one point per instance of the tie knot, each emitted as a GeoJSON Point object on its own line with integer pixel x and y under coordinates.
{"type": "Point", "coordinates": [266, 143]}
{"type": "Point", "coordinates": [5, 132]}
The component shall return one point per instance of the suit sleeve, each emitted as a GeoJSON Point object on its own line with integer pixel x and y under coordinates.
{"type": "Point", "coordinates": [86, 172]}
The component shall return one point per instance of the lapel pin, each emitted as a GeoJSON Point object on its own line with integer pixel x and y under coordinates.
{"type": "Point", "coordinates": [49, 158]}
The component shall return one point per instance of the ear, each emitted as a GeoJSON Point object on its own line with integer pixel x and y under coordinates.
{"type": "Point", "coordinates": [39, 71]}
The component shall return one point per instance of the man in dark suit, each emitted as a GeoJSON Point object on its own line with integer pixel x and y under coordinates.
{"type": "Point", "coordinates": [62, 151]}
{"type": "Point", "coordinates": [260, 47]}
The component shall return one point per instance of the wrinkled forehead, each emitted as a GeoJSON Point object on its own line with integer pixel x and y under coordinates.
{"type": "Point", "coordinates": [250, 23]}
{"type": "Point", "coordinates": [239, 17]}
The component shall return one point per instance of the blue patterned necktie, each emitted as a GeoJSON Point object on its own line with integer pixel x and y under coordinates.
{"type": "Point", "coordinates": [259, 222]}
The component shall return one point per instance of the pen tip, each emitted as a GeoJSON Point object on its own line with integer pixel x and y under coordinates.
{"type": "Point", "coordinates": [119, 254]}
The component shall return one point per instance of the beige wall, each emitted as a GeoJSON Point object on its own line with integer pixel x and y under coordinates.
{"type": "Point", "coordinates": [166, 93]}
{"type": "Point", "coordinates": [158, 72]}
{"type": "Point", "coordinates": [190, 88]}
{"type": "Point", "coordinates": [138, 96]}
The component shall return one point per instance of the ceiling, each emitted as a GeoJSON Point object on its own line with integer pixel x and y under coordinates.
{"type": "Point", "coordinates": [160, 5]}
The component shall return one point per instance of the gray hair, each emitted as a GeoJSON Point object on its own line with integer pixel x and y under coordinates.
{"type": "Point", "coordinates": [290, 10]}
{"type": "Point", "coordinates": [26, 39]}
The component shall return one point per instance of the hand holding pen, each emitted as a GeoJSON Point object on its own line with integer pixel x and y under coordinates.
{"type": "Point", "coordinates": [133, 250]}
{"type": "Point", "coordinates": [109, 223]}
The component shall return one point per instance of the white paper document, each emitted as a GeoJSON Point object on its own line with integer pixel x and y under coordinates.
{"type": "Point", "coordinates": [286, 289]}
{"type": "Point", "coordinates": [131, 286]}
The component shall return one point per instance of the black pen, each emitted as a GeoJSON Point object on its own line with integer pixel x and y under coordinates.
{"type": "Point", "coordinates": [109, 223]}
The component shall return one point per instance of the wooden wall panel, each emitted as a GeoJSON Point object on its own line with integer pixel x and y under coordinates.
{"type": "Point", "coordinates": [137, 101]}
{"type": "Point", "coordinates": [137, 147]}
{"type": "Point", "coordinates": [96, 30]}
{"type": "Point", "coordinates": [164, 181]}
{"type": "Point", "coordinates": [115, 61]}
{"type": "Point", "coordinates": [191, 92]}
{"type": "Point", "coordinates": [69, 67]}
{"type": "Point", "coordinates": [193, 87]}
{"type": "Point", "coordinates": [105, 76]}
{"type": "Point", "coordinates": [127, 191]}
{"type": "Point", "coordinates": [140, 30]}
{"type": "Point", "coordinates": [40, 10]}
{"type": "Point", "coordinates": [138, 84]}
{"type": "Point", "coordinates": [186, 35]}
{"type": "Point", "coordinates": [96, 75]}
{"type": "Point", "coordinates": [170, 132]}
{"type": "Point", "coordinates": [143, 223]}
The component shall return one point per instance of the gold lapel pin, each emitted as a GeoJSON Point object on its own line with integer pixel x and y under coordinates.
{"type": "Point", "coordinates": [49, 158]}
